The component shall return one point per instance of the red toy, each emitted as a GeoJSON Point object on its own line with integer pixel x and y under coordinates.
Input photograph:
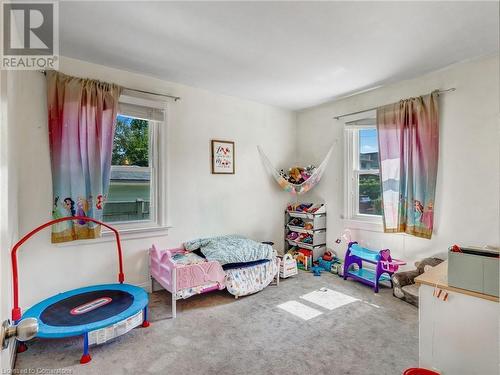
{"type": "Point", "coordinates": [328, 256]}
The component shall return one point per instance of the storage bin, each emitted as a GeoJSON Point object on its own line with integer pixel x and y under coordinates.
{"type": "Point", "coordinates": [474, 269]}
{"type": "Point", "coordinates": [318, 220]}
{"type": "Point", "coordinates": [318, 238]}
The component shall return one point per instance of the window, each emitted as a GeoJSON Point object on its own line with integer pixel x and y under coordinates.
{"type": "Point", "coordinates": [135, 189]}
{"type": "Point", "coordinates": [363, 190]}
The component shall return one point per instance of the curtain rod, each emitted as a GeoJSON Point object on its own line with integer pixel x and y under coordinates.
{"type": "Point", "coordinates": [372, 109]}
{"type": "Point", "coordinates": [136, 90]}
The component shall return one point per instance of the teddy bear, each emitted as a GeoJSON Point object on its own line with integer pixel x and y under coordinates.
{"type": "Point", "coordinates": [295, 175]}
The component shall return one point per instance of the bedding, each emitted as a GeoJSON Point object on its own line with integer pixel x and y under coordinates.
{"type": "Point", "coordinates": [249, 280]}
{"type": "Point", "coordinates": [187, 259]}
{"type": "Point", "coordinates": [231, 249]}
{"type": "Point", "coordinates": [231, 266]}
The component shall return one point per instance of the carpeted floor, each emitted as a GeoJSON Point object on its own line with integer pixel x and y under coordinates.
{"type": "Point", "coordinates": [216, 334]}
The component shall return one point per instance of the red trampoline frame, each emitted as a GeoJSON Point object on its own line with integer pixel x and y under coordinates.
{"type": "Point", "coordinates": [16, 310]}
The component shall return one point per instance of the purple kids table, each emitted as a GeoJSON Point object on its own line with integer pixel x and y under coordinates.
{"type": "Point", "coordinates": [385, 266]}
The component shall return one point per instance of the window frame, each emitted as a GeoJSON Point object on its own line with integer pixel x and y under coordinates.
{"type": "Point", "coordinates": [353, 171]}
{"type": "Point", "coordinates": [158, 163]}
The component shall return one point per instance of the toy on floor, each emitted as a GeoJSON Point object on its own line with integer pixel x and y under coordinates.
{"type": "Point", "coordinates": [328, 256]}
{"type": "Point", "coordinates": [337, 268]}
{"type": "Point", "coordinates": [301, 259]}
{"type": "Point", "coordinates": [288, 266]}
{"type": "Point", "coordinates": [327, 261]}
{"type": "Point", "coordinates": [309, 255]}
{"type": "Point", "coordinates": [385, 265]}
{"type": "Point", "coordinates": [97, 313]}
{"type": "Point", "coordinates": [316, 269]}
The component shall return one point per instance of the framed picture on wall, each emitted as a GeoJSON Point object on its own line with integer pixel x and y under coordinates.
{"type": "Point", "coordinates": [222, 157]}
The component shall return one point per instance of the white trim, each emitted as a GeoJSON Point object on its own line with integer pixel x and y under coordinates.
{"type": "Point", "coordinates": [352, 172]}
{"type": "Point", "coordinates": [125, 235]}
{"type": "Point", "coordinates": [367, 225]}
{"type": "Point", "coordinates": [158, 181]}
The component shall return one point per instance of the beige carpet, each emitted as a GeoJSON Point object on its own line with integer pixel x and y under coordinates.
{"type": "Point", "coordinates": [216, 334]}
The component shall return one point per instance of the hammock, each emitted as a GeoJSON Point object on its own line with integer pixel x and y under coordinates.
{"type": "Point", "coordinates": [290, 187]}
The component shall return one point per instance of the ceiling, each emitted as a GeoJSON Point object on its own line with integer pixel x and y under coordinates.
{"type": "Point", "coordinates": [288, 54]}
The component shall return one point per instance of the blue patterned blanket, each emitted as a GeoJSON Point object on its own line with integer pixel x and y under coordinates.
{"type": "Point", "coordinates": [231, 249]}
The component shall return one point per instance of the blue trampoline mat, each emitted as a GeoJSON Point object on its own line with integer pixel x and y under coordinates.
{"type": "Point", "coordinates": [77, 311]}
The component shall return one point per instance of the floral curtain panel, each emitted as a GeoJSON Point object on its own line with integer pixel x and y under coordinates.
{"type": "Point", "coordinates": [82, 119]}
{"type": "Point", "coordinates": [408, 133]}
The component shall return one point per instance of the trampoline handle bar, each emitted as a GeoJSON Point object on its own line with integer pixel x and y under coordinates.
{"type": "Point", "coordinates": [16, 311]}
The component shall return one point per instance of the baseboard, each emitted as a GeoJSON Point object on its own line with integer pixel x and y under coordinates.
{"type": "Point", "coordinates": [156, 286]}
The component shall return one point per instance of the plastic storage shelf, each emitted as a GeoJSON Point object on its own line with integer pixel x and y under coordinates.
{"type": "Point", "coordinates": [316, 229]}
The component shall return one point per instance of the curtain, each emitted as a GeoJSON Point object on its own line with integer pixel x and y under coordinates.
{"type": "Point", "coordinates": [408, 134]}
{"type": "Point", "coordinates": [81, 119]}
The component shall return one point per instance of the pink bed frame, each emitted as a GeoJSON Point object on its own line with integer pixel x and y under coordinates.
{"type": "Point", "coordinates": [174, 277]}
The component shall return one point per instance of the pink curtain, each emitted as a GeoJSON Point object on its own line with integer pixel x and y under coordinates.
{"type": "Point", "coordinates": [408, 134]}
{"type": "Point", "coordinates": [82, 119]}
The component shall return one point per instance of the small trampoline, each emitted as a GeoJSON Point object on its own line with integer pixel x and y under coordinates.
{"type": "Point", "coordinates": [86, 309]}
{"type": "Point", "coordinates": [98, 313]}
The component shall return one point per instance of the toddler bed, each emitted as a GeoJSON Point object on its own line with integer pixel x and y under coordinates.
{"type": "Point", "coordinates": [184, 274]}
{"type": "Point", "coordinates": [241, 265]}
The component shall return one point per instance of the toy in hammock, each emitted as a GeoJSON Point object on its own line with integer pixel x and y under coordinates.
{"type": "Point", "coordinates": [298, 180]}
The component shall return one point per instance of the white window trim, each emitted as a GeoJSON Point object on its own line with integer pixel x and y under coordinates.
{"type": "Point", "coordinates": [352, 217]}
{"type": "Point", "coordinates": [158, 132]}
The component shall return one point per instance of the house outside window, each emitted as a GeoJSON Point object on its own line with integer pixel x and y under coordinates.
{"type": "Point", "coordinates": [136, 196]}
{"type": "Point", "coordinates": [363, 200]}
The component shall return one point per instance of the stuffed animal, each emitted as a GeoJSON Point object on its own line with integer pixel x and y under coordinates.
{"type": "Point", "coordinates": [305, 175]}
{"type": "Point", "coordinates": [295, 175]}
{"type": "Point", "coordinates": [316, 269]}
{"type": "Point", "coordinates": [283, 174]}
{"type": "Point", "coordinates": [310, 169]}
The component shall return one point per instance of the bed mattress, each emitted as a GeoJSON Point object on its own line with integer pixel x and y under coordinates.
{"type": "Point", "coordinates": [248, 280]}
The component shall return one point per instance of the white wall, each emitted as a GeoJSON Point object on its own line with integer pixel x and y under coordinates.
{"type": "Point", "coordinates": [466, 209]}
{"type": "Point", "coordinates": [199, 204]}
{"type": "Point", "coordinates": [8, 202]}
{"type": "Point", "coordinates": [251, 203]}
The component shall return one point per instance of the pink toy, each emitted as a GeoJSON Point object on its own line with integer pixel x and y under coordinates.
{"type": "Point", "coordinates": [184, 274]}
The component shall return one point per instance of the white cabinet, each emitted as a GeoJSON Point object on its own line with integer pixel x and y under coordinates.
{"type": "Point", "coordinates": [458, 336]}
